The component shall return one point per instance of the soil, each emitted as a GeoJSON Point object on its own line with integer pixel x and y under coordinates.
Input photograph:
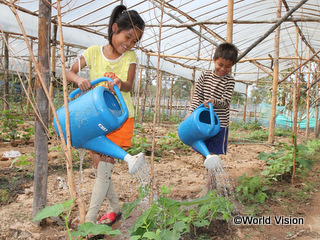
{"type": "Point", "coordinates": [183, 171]}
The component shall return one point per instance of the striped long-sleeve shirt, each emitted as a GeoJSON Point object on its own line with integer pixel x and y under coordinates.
{"type": "Point", "coordinates": [211, 86]}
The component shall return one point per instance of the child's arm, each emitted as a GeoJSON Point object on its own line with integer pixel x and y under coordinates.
{"type": "Point", "coordinates": [83, 83]}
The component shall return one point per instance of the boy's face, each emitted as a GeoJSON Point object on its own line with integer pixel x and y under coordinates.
{"type": "Point", "coordinates": [222, 66]}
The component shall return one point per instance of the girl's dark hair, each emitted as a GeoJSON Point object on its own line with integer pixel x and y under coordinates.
{"type": "Point", "coordinates": [125, 20]}
{"type": "Point", "coordinates": [227, 51]}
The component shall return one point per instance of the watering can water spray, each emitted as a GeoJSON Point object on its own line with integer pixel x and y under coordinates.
{"type": "Point", "coordinates": [201, 125]}
{"type": "Point", "coordinates": [92, 116]}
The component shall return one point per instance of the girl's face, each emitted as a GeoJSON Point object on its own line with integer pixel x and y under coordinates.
{"type": "Point", "coordinates": [125, 40]}
{"type": "Point", "coordinates": [222, 66]}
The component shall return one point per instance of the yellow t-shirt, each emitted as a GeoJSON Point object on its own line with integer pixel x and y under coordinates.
{"type": "Point", "coordinates": [99, 65]}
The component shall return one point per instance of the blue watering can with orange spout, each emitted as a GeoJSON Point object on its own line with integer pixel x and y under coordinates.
{"type": "Point", "coordinates": [92, 116]}
{"type": "Point", "coordinates": [201, 125]}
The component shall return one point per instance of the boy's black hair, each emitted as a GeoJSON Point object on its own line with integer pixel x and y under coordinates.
{"type": "Point", "coordinates": [125, 20]}
{"type": "Point", "coordinates": [227, 51]}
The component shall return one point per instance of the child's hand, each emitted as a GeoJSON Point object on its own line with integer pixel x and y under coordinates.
{"type": "Point", "coordinates": [83, 83]}
{"type": "Point", "coordinates": [116, 81]}
{"type": "Point", "coordinates": [212, 100]}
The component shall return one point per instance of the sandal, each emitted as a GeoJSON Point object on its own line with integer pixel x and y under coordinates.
{"type": "Point", "coordinates": [113, 217]}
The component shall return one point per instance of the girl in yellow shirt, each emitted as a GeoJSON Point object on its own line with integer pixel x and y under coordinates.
{"type": "Point", "coordinates": [118, 61]}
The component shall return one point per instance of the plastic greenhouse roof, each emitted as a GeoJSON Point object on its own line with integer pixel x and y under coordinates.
{"type": "Point", "coordinates": [190, 31]}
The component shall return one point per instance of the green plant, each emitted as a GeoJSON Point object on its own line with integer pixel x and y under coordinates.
{"type": "Point", "coordinates": [251, 189]}
{"type": "Point", "coordinates": [313, 146]}
{"type": "Point", "coordinates": [63, 210]}
{"type": "Point", "coordinates": [139, 144]}
{"type": "Point", "coordinates": [261, 135]}
{"type": "Point", "coordinates": [22, 161]}
{"type": "Point", "coordinates": [169, 219]}
{"type": "Point", "coordinates": [280, 163]}
{"type": "Point", "coordinates": [171, 141]}
{"type": "Point", "coordinates": [254, 125]}
{"type": "Point", "coordinates": [4, 196]}
{"type": "Point", "coordinates": [9, 125]}
{"type": "Point", "coordinates": [279, 132]}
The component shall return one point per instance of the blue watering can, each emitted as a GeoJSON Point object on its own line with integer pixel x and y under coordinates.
{"type": "Point", "coordinates": [201, 125]}
{"type": "Point", "coordinates": [92, 116]}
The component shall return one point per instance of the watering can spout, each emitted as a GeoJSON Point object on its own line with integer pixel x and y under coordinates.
{"type": "Point", "coordinates": [105, 146]}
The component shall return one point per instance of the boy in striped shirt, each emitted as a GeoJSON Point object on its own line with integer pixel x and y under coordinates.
{"type": "Point", "coordinates": [216, 86]}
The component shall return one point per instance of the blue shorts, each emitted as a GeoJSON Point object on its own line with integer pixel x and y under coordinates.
{"type": "Point", "coordinates": [218, 143]}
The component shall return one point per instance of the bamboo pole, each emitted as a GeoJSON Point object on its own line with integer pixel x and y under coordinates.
{"type": "Point", "coordinates": [171, 93]}
{"type": "Point", "coordinates": [230, 21]}
{"type": "Point", "coordinates": [295, 89]}
{"type": "Point", "coordinates": [53, 67]}
{"type": "Point", "coordinates": [295, 109]}
{"type": "Point", "coordinates": [308, 98]}
{"type": "Point", "coordinates": [275, 79]}
{"type": "Point", "coordinates": [159, 99]}
{"type": "Point", "coordinates": [138, 94]}
{"type": "Point", "coordinates": [316, 130]}
{"type": "Point", "coordinates": [6, 73]}
{"type": "Point", "coordinates": [145, 91]}
{"type": "Point", "coordinates": [158, 85]}
{"type": "Point", "coordinates": [30, 78]}
{"type": "Point", "coordinates": [245, 105]}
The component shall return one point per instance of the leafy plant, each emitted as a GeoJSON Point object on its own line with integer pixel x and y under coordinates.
{"type": "Point", "coordinates": [4, 196]}
{"type": "Point", "coordinates": [261, 135]}
{"type": "Point", "coordinates": [171, 141]}
{"type": "Point", "coordinates": [169, 219]}
{"type": "Point", "coordinates": [63, 210]}
{"type": "Point", "coordinates": [251, 189]}
{"type": "Point", "coordinates": [9, 125]}
{"type": "Point", "coordinates": [313, 146]}
{"type": "Point", "coordinates": [139, 144]}
{"type": "Point", "coordinates": [22, 161]}
{"type": "Point", "coordinates": [280, 163]}
{"type": "Point", "coordinates": [254, 125]}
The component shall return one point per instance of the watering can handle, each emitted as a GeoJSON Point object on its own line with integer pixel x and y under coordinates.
{"type": "Point", "coordinates": [115, 88]}
{"type": "Point", "coordinates": [212, 117]}
{"type": "Point", "coordinates": [94, 82]}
